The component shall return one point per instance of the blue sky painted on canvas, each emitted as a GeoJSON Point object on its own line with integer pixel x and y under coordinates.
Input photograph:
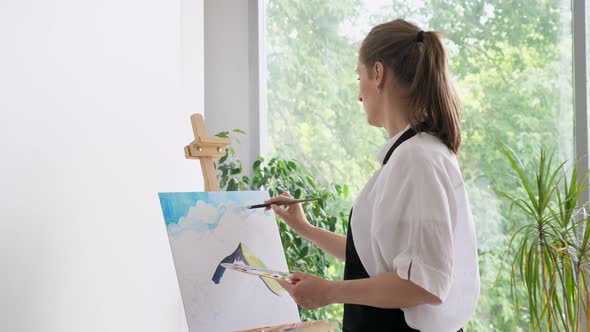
{"type": "Point", "coordinates": [177, 205]}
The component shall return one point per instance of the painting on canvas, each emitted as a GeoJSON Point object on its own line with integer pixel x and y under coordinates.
{"type": "Point", "coordinates": [207, 229]}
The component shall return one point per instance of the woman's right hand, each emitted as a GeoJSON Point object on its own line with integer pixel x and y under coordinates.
{"type": "Point", "coordinates": [292, 214]}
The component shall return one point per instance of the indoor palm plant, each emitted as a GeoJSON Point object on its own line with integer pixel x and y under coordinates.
{"type": "Point", "coordinates": [551, 242]}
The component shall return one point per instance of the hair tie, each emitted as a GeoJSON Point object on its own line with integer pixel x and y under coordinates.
{"type": "Point", "coordinates": [420, 36]}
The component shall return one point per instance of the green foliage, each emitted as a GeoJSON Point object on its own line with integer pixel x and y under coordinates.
{"type": "Point", "coordinates": [277, 176]}
{"type": "Point", "coordinates": [551, 244]}
{"type": "Point", "coordinates": [312, 87]}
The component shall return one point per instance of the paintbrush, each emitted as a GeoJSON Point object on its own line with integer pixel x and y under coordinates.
{"type": "Point", "coordinates": [281, 203]}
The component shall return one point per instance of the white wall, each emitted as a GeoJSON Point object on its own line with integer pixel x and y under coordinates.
{"type": "Point", "coordinates": [94, 114]}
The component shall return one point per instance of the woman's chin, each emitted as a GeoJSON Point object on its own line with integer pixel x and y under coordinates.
{"type": "Point", "coordinates": [372, 122]}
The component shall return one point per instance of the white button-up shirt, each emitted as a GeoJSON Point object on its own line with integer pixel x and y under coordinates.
{"type": "Point", "coordinates": [413, 217]}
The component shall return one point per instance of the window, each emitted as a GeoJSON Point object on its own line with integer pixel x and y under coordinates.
{"type": "Point", "coordinates": [511, 62]}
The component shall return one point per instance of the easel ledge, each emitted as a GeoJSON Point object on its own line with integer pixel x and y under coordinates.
{"type": "Point", "coordinates": [309, 326]}
{"type": "Point", "coordinates": [208, 149]}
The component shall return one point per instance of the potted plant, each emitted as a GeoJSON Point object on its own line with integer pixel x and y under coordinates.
{"type": "Point", "coordinates": [551, 244]}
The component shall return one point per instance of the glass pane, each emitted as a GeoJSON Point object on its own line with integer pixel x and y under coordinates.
{"type": "Point", "coordinates": [511, 62]}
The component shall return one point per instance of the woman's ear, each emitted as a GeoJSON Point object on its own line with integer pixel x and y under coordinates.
{"type": "Point", "coordinates": [379, 72]}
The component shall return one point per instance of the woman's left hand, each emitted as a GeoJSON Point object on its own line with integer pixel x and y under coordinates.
{"type": "Point", "coordinates": [308, 291]}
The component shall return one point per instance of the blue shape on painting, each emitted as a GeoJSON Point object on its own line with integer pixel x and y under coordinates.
{"type": "Point", "coordinates": [176, 206]}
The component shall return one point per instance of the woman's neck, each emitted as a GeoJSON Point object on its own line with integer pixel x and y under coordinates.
{"type": "Point", "coordinates": [396, 112]}
{"type": "Point", "coordinates": [396, 130]}
{"type": "Point", "coordinates": [396, 121]}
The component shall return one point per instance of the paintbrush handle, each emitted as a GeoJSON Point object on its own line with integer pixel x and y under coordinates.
{"type": "Point", "coordinates": [283, 203]}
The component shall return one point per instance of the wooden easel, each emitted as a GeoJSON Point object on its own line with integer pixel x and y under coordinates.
{"type": "Point", "coordinates": [208, 149]}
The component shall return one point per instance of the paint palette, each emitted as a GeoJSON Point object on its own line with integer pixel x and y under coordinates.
{"type": "Point", "coordinates": [261, 272]}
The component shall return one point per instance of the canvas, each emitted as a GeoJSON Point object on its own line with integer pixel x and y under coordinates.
{"type": "Point", "coordinates": [207, 229]}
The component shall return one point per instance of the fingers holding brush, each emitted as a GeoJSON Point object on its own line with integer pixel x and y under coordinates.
{"type": "Point", "coordinates": [291, 214]}
{"type": "Point", "coordinates": [284, 197]}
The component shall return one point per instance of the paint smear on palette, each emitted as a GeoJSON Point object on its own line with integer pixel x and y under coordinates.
{"type": "Point", "coordinates": [257, 271]}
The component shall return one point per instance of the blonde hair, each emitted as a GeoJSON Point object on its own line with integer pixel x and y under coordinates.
{"type": "Point", "coordinates": [418, 59]}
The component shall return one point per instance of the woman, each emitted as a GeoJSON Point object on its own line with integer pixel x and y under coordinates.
{"type": "Point", "coordinates": [410, 251]}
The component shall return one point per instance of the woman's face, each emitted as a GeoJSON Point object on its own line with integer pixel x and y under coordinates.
{"type": "Point", "coordinates": [369, 95]}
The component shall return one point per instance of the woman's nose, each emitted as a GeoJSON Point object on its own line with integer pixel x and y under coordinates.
{"type": "Point", "coordinates": [360, 99]}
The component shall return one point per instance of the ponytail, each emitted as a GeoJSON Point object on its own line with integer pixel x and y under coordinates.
{"type": "Point", "coordinates": [435, 106]}
{"type": "Point", "coordinates": [417, 58]}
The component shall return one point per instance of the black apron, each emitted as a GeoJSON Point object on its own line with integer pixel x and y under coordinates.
{"type": "Point", "coordinates": [362, 318]}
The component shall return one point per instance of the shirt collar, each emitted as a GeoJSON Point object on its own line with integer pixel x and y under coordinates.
{"type": "Point", "coordinates": [381, 154]}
